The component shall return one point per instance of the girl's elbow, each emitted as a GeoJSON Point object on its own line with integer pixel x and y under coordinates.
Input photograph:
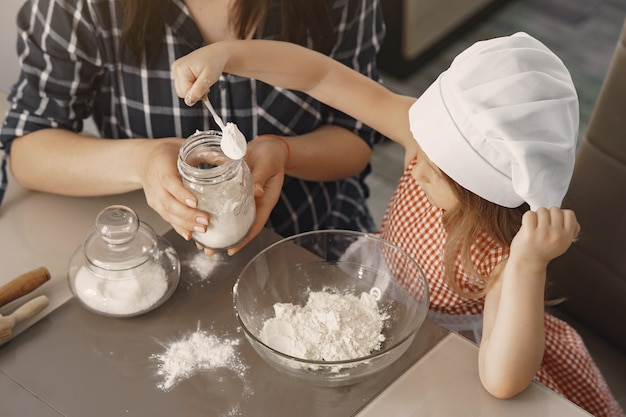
{"type": "Point", "coordinates": [20, 173]}
{"type": "Point", "coordinates": [504, 392]}
{"type": "Point", "coordinates": [504, 387]}
{"type": "Point", "coordinates": [507, 376]}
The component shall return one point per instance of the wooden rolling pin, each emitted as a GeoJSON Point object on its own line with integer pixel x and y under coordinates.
{"type": "Point", "coordinates": [23, 285]}
{"type": "Point", "coordinates": [24, 312]}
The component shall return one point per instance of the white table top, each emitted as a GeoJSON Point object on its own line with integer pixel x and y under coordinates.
{"type": "Point", "coordinates": [444, 382]}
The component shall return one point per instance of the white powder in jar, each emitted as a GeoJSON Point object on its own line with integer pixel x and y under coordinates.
{"type": "Point", "coordinates": [330, 327]}
{"type": "Point", "coordinates": [225, 229]}
{"type": "Point", "coordinates": [231, 208]}
{"type": "Point", "coordinates": [121, 293]}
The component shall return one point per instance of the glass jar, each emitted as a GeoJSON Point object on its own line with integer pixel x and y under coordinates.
{"type": "Point", "coordinates": [223, 187]}
{"type": "Point", "coordinates": [123, 268]}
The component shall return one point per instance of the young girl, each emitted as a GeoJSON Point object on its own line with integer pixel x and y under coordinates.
{"type": "Point", "coordinates": [489, 154]}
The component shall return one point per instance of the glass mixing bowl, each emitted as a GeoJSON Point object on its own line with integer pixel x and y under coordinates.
{"type": "Point", "coordinates": [338, 262]}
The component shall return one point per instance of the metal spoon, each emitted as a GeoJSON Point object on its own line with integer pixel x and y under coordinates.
{"type": "Point", "coordinates": [233, 142]}
{"type": "Point", "coordinates": [209, 106]}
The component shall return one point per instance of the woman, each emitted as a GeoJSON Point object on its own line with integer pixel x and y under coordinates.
{"type": "Point", "coordinates": [110, 59]}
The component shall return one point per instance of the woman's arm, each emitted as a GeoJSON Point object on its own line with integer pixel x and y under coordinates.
{"type": "Point", "coordinates": [512, 346]}
{"type": "Point", "coordinates": [294, 67]}
{"type": "Point", "coordinates": [329, 153]}
{"type": "Point", "coordinates": [78, 165]}
{"type": "Point", "coordinates": [63, 60]}
{"type": "Point", "coordinates": [42, 161]}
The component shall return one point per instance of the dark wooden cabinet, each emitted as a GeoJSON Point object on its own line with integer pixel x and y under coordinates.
{"type": "Point", "coordinates": [416, 29]}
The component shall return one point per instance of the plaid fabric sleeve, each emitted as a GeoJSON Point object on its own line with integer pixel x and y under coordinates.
{"type": "Point", "coordinates": [58, 54]}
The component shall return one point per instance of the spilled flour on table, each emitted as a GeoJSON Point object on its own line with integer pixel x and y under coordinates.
{"type": "Point", "coordinates": [201, 266]}
{"type": "Point", "coordinates": [330, 327]}
{"type": "Point", "coordinates": [197, 352]}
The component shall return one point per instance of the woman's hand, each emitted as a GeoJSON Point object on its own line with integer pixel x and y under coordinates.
{"type": "Point", "coordinates": [101, 166]}
{"type": "Point", "coordinates": [165, 192]}
{"type": "Point", "coordinates": [266, 158]}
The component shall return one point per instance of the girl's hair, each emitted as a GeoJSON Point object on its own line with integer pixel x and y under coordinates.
{"type": "Point", "coordinates": [469, 219]}
{"type": "Point", "coordinates": [300, 20]}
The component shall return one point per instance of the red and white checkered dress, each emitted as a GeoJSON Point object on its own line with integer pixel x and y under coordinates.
{"type": "Point", "coordinates": [414, 224]}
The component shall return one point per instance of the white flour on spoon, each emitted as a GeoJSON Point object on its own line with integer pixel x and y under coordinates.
{"type": "Point", "coordinates": [233, 142]}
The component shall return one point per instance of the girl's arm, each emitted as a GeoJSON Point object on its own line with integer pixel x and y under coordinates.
{"type": "Point", "coordinates": [294, 67]}
{"type": "Point", "coordinates": [513, 325]}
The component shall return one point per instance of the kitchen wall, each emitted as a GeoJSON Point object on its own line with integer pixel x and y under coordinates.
{"type": "Point", "coordinates": [8, 35]}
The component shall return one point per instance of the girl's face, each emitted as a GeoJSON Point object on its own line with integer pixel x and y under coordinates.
{"type": "Point", "coordinates": [433, 182]}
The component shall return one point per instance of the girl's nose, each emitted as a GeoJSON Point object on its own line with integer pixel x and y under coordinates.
{"type": "Point", "coordinates": [419, 171]}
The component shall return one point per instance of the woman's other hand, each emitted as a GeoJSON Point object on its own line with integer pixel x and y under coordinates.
{"type": "Point", "coordinates": [266, 158]}
{"type": "Point", "coordinates": [164, 189]}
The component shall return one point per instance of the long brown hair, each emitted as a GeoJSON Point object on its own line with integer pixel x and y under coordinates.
{"type": "Point", "coordinates": [143, 23]}
{"type": "Point", "coordinates": [471, 217]}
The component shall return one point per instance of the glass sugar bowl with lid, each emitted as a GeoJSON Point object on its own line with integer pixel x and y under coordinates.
{"type": "Point", "coordinates": [123, 268]}
{"type": "Point", "coordinates": [223, 187]}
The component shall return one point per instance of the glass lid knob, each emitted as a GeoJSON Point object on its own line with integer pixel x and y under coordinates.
{"type": "Point", "coordinates": [117, 224]}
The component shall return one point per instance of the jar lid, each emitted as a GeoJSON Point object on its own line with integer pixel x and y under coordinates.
{"type": "Point", "coordinates": [119, 241]}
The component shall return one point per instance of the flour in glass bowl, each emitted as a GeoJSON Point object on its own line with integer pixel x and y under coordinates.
{"type": "Point", "coordinates": [330, 327]}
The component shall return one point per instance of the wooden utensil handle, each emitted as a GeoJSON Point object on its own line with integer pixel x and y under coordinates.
{"type": "Point", "coordinates": [27, 310]}
{"type": "Point", "coordinates": [23, 284]}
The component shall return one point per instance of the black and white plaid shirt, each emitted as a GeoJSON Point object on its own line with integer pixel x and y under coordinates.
{"type": "Point", "coordinates": [68, 53]}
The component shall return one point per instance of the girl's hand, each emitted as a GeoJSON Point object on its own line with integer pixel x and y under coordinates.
{"type": "Point", "coordinates": [195, 73]}
{"type": "Point", "coordinates": [545, 234]}
{"type": "Point", "coordinates": [513, 318]}
{"type": "Point", "coordinates": [164, 189]}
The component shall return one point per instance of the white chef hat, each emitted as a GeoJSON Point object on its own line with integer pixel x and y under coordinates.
{"type": "Point", "coordinates": [502, 122]}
